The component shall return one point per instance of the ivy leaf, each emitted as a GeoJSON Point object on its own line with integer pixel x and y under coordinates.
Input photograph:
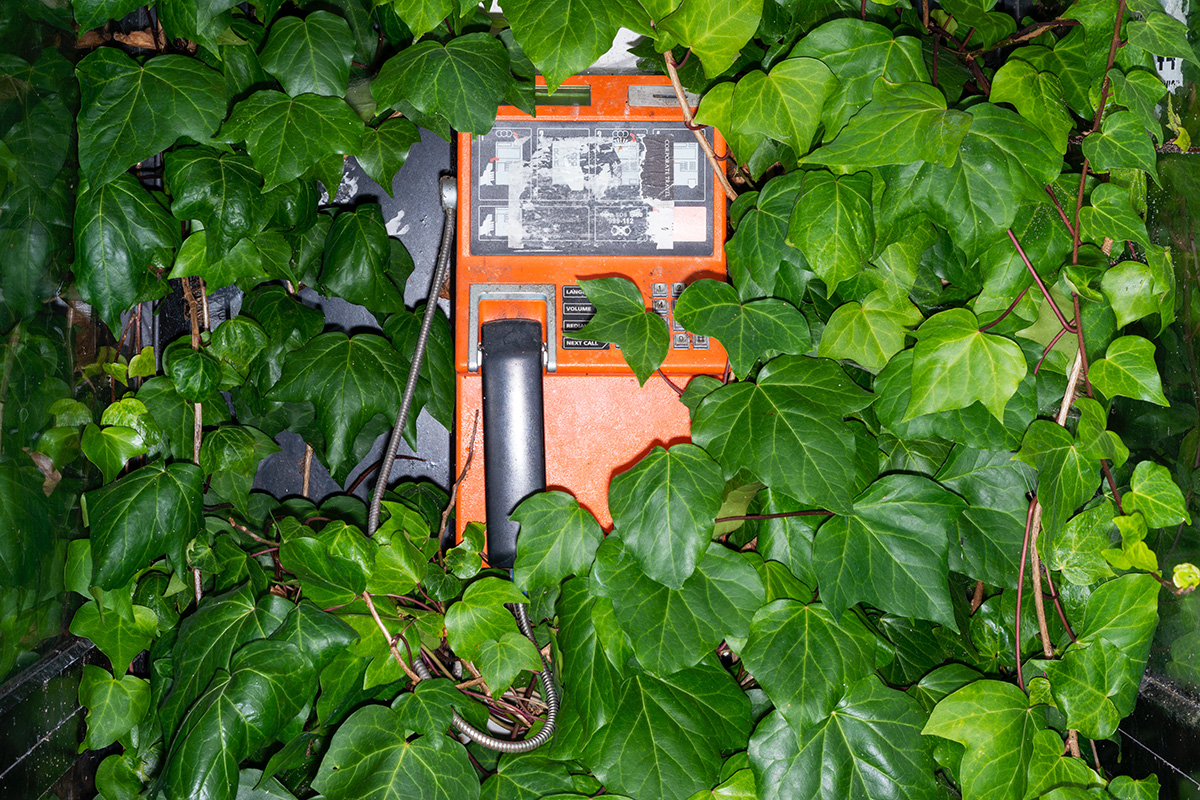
{"type": "Point", "coordinates": [114, 705]}
{"type": "Point", "coordinates": [749, 332]}
{"type": "Point", "coordinates": [1095, 687]}
{"type": "Point", "coordinates": [1110, 216]}
{"type": "Point", "coordinates": [1162, 35]}
{"type": "Point", "coordinates": [667, 734]}
{"type": "Point", "coordinates": [94, 13]}
{"type": "Point", "coordinates": [349, 380]}
{"type": "Point", "coordinates": [1123, 611]}
{"type": "Point", "coordinates": [591, 680]}
{"type": "Point", "coordinates": [1121, 143]}
{"type": "Point", "coordinates": [871, 332]}
{"type": "Point", "coordinates": [787, 440]}
{"type": "Point", "coordinates": [663, 510]}
{"type": "Point", "coordinates": [480, 615]}
{"type": "Point", "coordinates": [1075, 550]}
{"type": "Point", "coordinates": [1156, 496]}
{"type": "Point", "coordinates": [221, 190]}
{"type": "Point", "coordinates": [859, 53]}
{"type": "Point", "coordinates": [805, 660]}
{"type": "Point", "coordinates": [320, 635]}
{"type": "Point", "coordinates": [1133, 290]}
{"type": "Point", "coordinates": [874, 731]}
{"type": "Point", "coordinates": [892, 550]}
{"type": "Point", "coordinates": [130, 112]}
{"type": "Point", "coordinates": [370, 757]}
{"type": "Point", "coordinates": [993, 721]}
{"type": "Point", "coordinates": [1037, 96]}
{"type": "Point", "coordinates": [563, 38]}
{"type": "Point", "coordinates": [384, 150]}
{"type": "Point", "coordinates": [821, 380]}
{"type": "Point", "coordinates": [558, 538]}
{"type": "Point", "coordinates": [715, 30]}
{"type": "Point", "coordinates": [903, 123]}
{"type": "Point", "coordinates": [26, 530]}
{"type": "Point", "coordinates": [786, 103]}
{"type": "Point", "coordinates": [955, 364]}
{"type": "Point", "coordinates": [500, 662]}
{"type": "Point", "coordinates": [251, 260]}
{"type": "Point", "coordinates": [291, 137]}
{"type": "Point", "coordinates": [121, 233]}
{"type": "Point", "coordinates": [1140, 91]}
{"type": "Point", "coordinates": [992, 526]}
{"type": "Point", "coordinates": [176, 416]}
{"type": "Point", "coordinates": [833, 226]}
{"type": "Point", "coordinates": [758, 254]}
{"type": "Point", "coordinates": [1128, 370]}
{"type": "Point", "coordinates": [111, 447]}
{"type": "Point", "coordinates": [1067, 476]}
{"type": "Point", "coordinates": [527, 776]}
{"type": "Point", "coordinates": [358, 264]}
{"type": "Point", "coordinates": [195, 373]}
{"type": "Point", "coordinates": [120, 639]}
{"type": "Point", "coordinates": [152, 511]}
{"type": "Point", "coordinates": [206, 22]}
{"type": "Point", "coordinates": [621, 318]}
{"type": "Point", "coordinates": [310, 55]}
{"type": "Point", "coordinates": [464, 81]}
{"type": "Point", "coordinates": [673, 629]}
{"type": "Point", "coordinates": [437, 368]}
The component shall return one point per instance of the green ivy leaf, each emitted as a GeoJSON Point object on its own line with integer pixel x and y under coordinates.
{"type": "Point", "coordinates": [114, 705]}
{"type": "Point", "coordinates": [784, 438]}
{"type": "Point", "coordinates": [955, 364]}
{"type": "Point", "coordinates": [253, 259]}
{"type": "Point", "coordinates": [715, 30]}
{"type": "Point", "coordinates": [384, 150]}
{"type": "Point", "coordinates": [526, 776]}
{"type": "Point", "coordinates": [1134, 291]}
{"type": "Point", "coordinates": [621, 318]}
{"type": "Point", "coordinates": [1140, 91]}
{"type": "Point", "coordinates": [501, 662]}
{"type": "Point", "coordinates": [590, 679]}
{"type": "Point", "coordinates": [464, 81]}
{"type": "Point", "coordinates": [150, 512]}
{"type": "Point", "coordinates": [206, 22]}
{"type": "Point", "coordinates": [806, 660]}
{"type": "Point", "coordinates": [1162, 35]}
{"type": "Point", "coordinates": [1124, 787]}
{"type": "Point", "coordinates": [221, 190]}
{"type": "Point", "coordinates": [283, 317]}
{"type": "Point", "coordinates": [871, 332]}
{"type": "Point", "coordinates": [1095, 687]}
{"type": "Point", "coordinates": [904, 122]}
{"type": "Point", "coordinates": [1067, 476]}
{"type": "Point", "coordinates": [786, 103]}
{"type": "Point", "coordinates": [667, 734]}
{"type": "Point", "coordinates": [892, 550]}
{"type": "Point", "coordinates": [859, 53]}
{"type": "Point", "coordinates": [422, 16]}
{"type": "Point", "coordinates": [833, 226]}
{"type": "Point", "coordinates": [480, 615]}
{"type": "Point", "coordinates": [1123, 611]}
{"type": "Point", "coordinates": [1110, 216]}
{"type": "Point", "coordinates": [293, 137]}
{"type": "Point", "coordinates": [194, 373]}
{"type": "Point", "coordinates": [1121, 143]}
{"type": "Point", "coordinates": [874, 731]}
{"type": "Point", "coordinates": [749, 332]}
{"type": "Point", "coordinates": [111, 447]}
{"type": "Point", "coordinates": [130, 112]}
{"type": "Point", "coordinates": [94, 13]}
{"type": "Point", "coordinates": [370, 758]}
{"type": "Point", "coordinates": [122, 232]}
{"type": "Point", "coordinates": [1128, 370]}
{"type": "Point", "coordinates": [437, 368]}
{"type": "Point", "coordinates": [320, 635]}
{"type": "Point", "coordinates": [760, 260]}
{"type": "Point", "coordinates": [358, 263]}
{"type": "Point", "coordinates": [119, 638]}
{"type": "Point", "coordinates": [558, 538]}
{"type": "Point", "coordinates": [176, 416]}
{"type": "Point", "coordinates": [1075, 550]}
{"type": "Point", "coordinates": [561, 37]}
{"type": "Point", "coordinates": [673, 629]}
{"type": "Point", "coordinates": [310, 55]}
{"type": "Point", "coordinates": [993, 721]}
{"type": "Point", "coordinates": [349, 380]}
{"type": "Point", "coordinates": [663, 510]}
{"type": "Point", "coordinates": [1037, 96]}
{"type": "Point", "coordinates": [1156, 496]}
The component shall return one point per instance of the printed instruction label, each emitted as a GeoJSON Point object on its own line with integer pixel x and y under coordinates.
{"type": "Point", "coordinates": [576, 313]}
{"type": "Point", "coordinates": [590, 188]}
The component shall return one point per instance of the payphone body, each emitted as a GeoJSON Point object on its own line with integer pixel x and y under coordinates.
{"type": "Point", "coordinates": [614, 186]}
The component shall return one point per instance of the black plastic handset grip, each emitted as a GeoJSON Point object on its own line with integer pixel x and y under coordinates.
{"type": "Point", "coordinates": [514, 446]}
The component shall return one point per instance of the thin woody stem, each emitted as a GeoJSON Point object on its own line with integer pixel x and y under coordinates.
{"type": "Point", "coordinates": [673, 73]}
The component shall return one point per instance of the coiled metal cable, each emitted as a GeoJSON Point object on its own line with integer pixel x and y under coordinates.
{"type": "Point", "coordinates": [441, 274]}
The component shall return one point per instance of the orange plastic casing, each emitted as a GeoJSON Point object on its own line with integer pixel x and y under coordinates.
{"type": "Point", "coordinates": [599, 421]}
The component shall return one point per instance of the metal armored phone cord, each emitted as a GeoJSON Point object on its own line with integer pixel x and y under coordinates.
{"type": "Point", "coordinates": [441, 273]}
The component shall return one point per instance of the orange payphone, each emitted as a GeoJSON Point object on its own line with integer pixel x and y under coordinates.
{"type": "Point", "coordinates": [615, 184]}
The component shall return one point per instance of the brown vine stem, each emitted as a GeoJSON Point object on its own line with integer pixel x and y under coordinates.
{"type": "Point", "coordinates": [1024, 35]}
{"type": "Point", "coordinates": [306, 474]}
{"type": "Point", "coordinates": [781, 515]}
{"type": "Point", "coordinates": [189, 295]}
{"type": "Point", "coordinates": [1073, 743]}
{"type": "Point", "coordinates": [1041, 285]}
{"type": "Point", "coordinates": [673, 73]}
{"type": "Point", "coordinates": [412, 676]}
{"type": "Point", "coordinates": [462, 476]}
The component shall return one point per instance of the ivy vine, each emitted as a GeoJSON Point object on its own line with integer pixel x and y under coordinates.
{"type": "Point", "coordinates": [928, 522]}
